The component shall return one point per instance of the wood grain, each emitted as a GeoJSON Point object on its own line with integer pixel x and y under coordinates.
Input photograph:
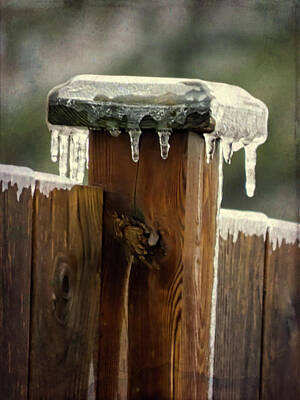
{"type": "Point", "coordinates": [281, 340]}
{"type": "Point", "coordinates": [15, 277]}
{"type": "Point", "coordinates": [239, 317]}
{"type": "Point", "coordinates": [169, 309]}
{"type": "Point", "coordinates": [168, 314]}
{"type": "Point", "coordinates": [67, 239]}
{"type": "Point", "coordinates": [155, 295]}
{"type": "Point", "coordinates": [198, 268]}
{"type": "Point", "coordinates": [111, 166]}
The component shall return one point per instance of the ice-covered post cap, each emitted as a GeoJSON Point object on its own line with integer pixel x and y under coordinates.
{"type": "Point", "coordinates": [130, 104]}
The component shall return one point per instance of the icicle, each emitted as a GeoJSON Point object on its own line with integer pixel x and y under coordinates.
{"type": "Point", "coordinates": [82, 138]}
{"type": "Point", "coordinates": [78, 153]}
{"type": "Point", "coordinates": [210, 145]}
{"type": "Point", "coordinates": [134, 135]}
{"type": "Point", "coordinates": [63, 152]}
{"type": "Point", "coordinates": [87, 152]}
{"type": "Point", "coordinates": [115, 132]}
{"type": "Point", "coordinates": [164, 136]}
{"type": "Point", "coordinates": [69, 145]}
{"type": "Point", "coordinates": [73, 158]}
{"type": "Point", "coordinates": [240, 119]}
{"type": "Point", "coordinates": [250, 162]}
{"type": "Point", "coordinates": [54, 144]}
{"type": "Point", "coordinates": [227, 151]}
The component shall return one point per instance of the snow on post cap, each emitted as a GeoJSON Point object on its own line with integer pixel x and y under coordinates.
{"type": "Point", "coordinates": [128, 103]}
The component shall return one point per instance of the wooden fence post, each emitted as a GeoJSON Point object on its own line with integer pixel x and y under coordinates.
{"type": "Point", "coordinates": [159, 226]}
{"type": "Point", "coordinates": [169, 301]}
{"type": "Point", "coordinates": [157, 310]}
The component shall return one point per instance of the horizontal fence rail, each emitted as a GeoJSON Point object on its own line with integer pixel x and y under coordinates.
{"type": "Point", "coordinates": [50, 257]}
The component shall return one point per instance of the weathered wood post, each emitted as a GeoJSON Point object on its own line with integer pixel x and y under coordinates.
{"type": "Point", "coordinates": [157, 305]}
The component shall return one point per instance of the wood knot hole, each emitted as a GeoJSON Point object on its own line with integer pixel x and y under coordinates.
{"type": "Point", "coordinates": [62, 288]}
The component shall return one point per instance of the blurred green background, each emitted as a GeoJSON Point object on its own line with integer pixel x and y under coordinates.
{"type": "Point", "coordinates": [253, 44]}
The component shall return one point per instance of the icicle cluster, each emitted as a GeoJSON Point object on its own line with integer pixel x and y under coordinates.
{"type": "Point", "coordinates": [70, 147]}
{"type": "Point", "coordinates": [241, 122]}
{"type": "Point", "coordinates": [241, 119]}
{"type": "Point", "coordinates": [135, 134]}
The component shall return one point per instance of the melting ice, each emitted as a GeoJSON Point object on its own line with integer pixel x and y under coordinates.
{"type": "Point", "coordinates": [69, 145]}
{"type": "Point", "coordinates": [241, 122]}
{"type": "Point", "coordinates": [134, 135]}
{"type": "Point", "coordinates": [164, 135]}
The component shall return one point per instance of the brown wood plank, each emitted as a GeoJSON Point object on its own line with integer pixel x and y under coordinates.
{"type": "Point", "coordinates": [177, 199]}
{"type": "Point", "coordinates": [202, 197]}
{"type": "Point", "coordinates": [239, 305]}
{"type": "Point", "coordinates": [169, 309]}
{"type": "Point", "coordinates": [67, 240]}
{"type": "Point", "coordinates": [15, 262]}
{"type": "Point", "coordinates": [112, 167]}
{"type": "Point", "coordinates": [281, 342]}
{"type": "Point", "coordinates": [155, 295]}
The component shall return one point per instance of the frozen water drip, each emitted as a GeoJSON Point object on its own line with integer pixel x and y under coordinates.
{"type": "Point", "coordinates": [134, 135]}
{"type": "Point", "coordinates": [70, 147]}
{"type": "Point", "coordinates": [164, 136]}
{"type": "Point", "coordinates": [240, 119]}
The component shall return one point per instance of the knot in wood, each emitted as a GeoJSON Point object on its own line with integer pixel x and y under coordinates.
{"type": "Point", "coordinates": [140, 240]}
{"type": "Point", "coordinates": [62, 288]}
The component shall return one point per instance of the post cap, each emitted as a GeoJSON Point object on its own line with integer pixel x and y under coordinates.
{"type": "Point", "coordinates": [131, 103]}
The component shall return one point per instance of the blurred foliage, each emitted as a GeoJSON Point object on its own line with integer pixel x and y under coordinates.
{"type": "Point", "coordinates": [249, 43]}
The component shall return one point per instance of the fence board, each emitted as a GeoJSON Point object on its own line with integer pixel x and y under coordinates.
{"type": "Point", "coordinates": [67, 237]}
{"type": "Point", "coordinates": [201, 208]}
{"type": "Point", "coordinates": [112, 167]}
{"type": "Point", "coordinates": [239, 305]}
{"type": "Point", "coordinates": [15, 276]}
{"type": "Point", "coordinates": [281, 344]}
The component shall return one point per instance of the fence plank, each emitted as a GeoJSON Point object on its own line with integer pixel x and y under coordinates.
{"type": "Point", "coordinates": [199, 233]}
{"type": "Point", "coordinates": [239, 305]}
{"type": "Point", "coordinates": [112, 167]}
{"type": "Point", "coordinates": [281, 350]}
{"type": "Point", "coordinates": [15, 261]}
{"type": "Point", "coordinates": [67, 237]}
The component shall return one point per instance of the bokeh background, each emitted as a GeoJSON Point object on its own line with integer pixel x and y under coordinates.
{"type": "Point", "coordinates": [253, 44]}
